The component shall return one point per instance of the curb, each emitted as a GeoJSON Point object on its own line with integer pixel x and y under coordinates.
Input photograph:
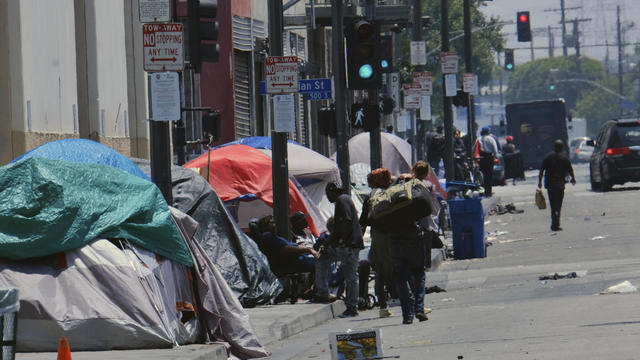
{"type": "Point", "coordinates": [291, 319]}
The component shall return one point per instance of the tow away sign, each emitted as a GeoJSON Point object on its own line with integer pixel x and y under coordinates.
{"type": "Point", "coordinates": [281, 74]}
{"type": "Point", "coordinates": [163, 47]}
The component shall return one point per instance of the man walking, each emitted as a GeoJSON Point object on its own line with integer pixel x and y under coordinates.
{"type": "Point", "coordinates": [488, 152]}
{"type": "Point", "coordinates": [344, 244]}
{"type": "Point", "coordinates": [555, 168]}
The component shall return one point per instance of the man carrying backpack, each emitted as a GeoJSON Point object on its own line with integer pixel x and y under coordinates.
{"type": "Point", "coordinates": [344, 244]}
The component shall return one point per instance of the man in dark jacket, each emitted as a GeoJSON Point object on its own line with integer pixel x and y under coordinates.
{"type": "Point", "coordinates": [555, 168]}
{"type": "Point", "coordinates": [344, 244]}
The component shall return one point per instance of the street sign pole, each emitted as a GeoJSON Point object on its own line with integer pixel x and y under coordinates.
{"type": "Point", "coordinates": [471, 116]}
{"type": "Point", "coordinates": [279, 166]}
{"type": "Point", "coordinates": [448, 111]}
{"type": "Point", "coordinates": [337, 45]}
{"type": "Point", "coordinates": [160, 152]}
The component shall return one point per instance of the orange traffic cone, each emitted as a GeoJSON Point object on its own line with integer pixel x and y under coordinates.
{"type": "Point", "coordinates": [64, 352]}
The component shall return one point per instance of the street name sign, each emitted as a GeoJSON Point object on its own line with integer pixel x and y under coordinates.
{"type": "Point", "coordinates": [449, 62]}
{"type": "Point", "coordinates": [281, 74]}
{"type": "Point", "coordinates": [163, 47]}
{"type": "Point", "coordinates": [315, 89]}
{"type": "Point", "coordinates": [154, 11]}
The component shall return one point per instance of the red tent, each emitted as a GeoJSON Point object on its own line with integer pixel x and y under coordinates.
{"type": "Point", "coordinates": [244, 173]}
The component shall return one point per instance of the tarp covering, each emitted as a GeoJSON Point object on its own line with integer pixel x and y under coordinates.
{"type": "Point", "coordinates": [240, 171]}
{"type": "Point", "coordinates": [50, 206]}
{"type": "Point", "coordinates": [239, 260]}
{"type": "Point", "coordinates": [85, 151]}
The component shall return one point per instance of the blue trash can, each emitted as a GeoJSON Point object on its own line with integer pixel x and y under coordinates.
{"type": "Point", "coordinates": [467, 225]}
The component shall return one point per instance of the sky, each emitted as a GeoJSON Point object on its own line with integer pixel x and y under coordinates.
{"type": "Point", "coordinates": [599, 30]}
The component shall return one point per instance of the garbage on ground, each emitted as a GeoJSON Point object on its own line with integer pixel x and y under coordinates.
{"type": "Point", "coordinates": [622, 288]}
{"type": "Point", "coordinates": [600, 237]}
{"type": "Point", "coordinates": [448, 299]}
{"type": "Point", "coordinates": [434, 289]}
{"type": "Point", "coordinates": [569, 275]}
{"type": "Point", "coordinates": [513, 240]}
{"type": "Point", "coordinates": [500, 209]}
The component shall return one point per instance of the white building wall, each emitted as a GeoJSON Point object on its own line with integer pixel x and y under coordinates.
{"type": "Point", "coordinates": [107, 66]}
{"type": "Point", "coordinates": [47, 66]}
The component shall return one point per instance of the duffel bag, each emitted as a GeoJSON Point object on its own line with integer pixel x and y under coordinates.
{"type": "Point", "coordinates": [409, 200]}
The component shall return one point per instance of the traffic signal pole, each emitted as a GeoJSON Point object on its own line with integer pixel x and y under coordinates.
{"type": "Point", "coordinates": [448, 111]}
{"type": "Point", "coordinates": [418, 134]}
{"type": "Point", "coordinates": [337, 45]}
{"type": "Point", "coordinates": [469, 69]}
{"type": "Point", "coordinates": [375, 141]}
{"type": "Point", "coordinates": [279, 166]}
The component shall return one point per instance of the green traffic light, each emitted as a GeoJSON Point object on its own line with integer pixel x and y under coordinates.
{"type": "Point", "coordinates": [384, 64]}
{"type": "Point", "coordinates": [552, 87]}
{"type": "Point", "coordinates": [365, 71]}
{"type": "Point", "coordinates": [509, 66]}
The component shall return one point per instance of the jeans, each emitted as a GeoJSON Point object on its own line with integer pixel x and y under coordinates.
{"type": "Point", "coordinates": [556, 195]}
{"type": "Point", "coordinates": [486, 166]}
{"type": "Point", "coordinates": [348, 258]}
{"type": "Point", "coordinates": [407, 252]}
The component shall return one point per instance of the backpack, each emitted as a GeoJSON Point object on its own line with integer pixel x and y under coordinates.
{"type": "Point", "coordinates": [406, 201]}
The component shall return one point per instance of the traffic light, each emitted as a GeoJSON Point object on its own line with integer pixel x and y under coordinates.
{"type": "Point", "coordinates": [524, 26]}
{"type": "Point", "coordinates": [461, 99]}
{"type": "Point", "coordinates": [327, 121]}
{"type": "Point", "coordinates": [363, 62]}
{"type": "Point", "coordinates": [211, 123]}
{"type": "Point", "coordinates": [508, 60]}
{"type": "Point", "coordinates": [203, 31]}
{"type": "Point", "coordinates": [386, 105]}
{"type": "Point", "coordinates": [365, 116]}
{"type": "Point", "coordinates": [386, 54]}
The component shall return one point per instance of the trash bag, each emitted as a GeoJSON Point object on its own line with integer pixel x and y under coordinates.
{"type": "Point", "coordinates": [541, 203]}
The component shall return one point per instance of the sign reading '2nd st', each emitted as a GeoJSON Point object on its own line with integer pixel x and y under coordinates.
{"type": "Point", "coordinates": [162, 45]}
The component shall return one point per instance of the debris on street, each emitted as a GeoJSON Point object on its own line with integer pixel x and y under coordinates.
{"type": "Point", "coordinates": [622, 288]}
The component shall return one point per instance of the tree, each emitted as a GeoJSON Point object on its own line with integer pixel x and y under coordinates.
{"type": "Point", "coordinates": [542, 79]}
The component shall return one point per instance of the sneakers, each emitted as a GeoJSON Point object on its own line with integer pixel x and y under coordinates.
{"type": "Point", "coordinates": [407, 321]}
{"type": "Point", "coordinates": [427, 310]}
{"type": "Point", "coordinates": [348, 314]}
{"type": "Point", "coordinates": [422, 317]}
{"type": "Point", "coordinates": [385, 313]}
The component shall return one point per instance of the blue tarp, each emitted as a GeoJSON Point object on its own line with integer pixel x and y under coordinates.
{"type": "Point", "coordinates": [256, 142]}
{"type": "Point", "coordinates": [84, 151]}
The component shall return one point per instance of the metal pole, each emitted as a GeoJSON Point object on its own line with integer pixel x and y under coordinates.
{"type": "Point", "coordinates": [375, 140]}
{"type": "Point", "coordinates": [564, 29]}
{"type": "Point", "coordinates": [469, 69]}
{"type": "Point", "coordinates": [448, 111]}
{"type": "Point", "coordinates": [551, 42]}
{"type": "Point", "coordinates": [279, 166]}
{"type": "Point", "coordinates": [620, 52]}
{"type": "Point", "coordinates": [160, 152]}
{"type": "Point", "coordinates": [531, 44]}
{"type": "Point", "coordinates": [337, 46]}
{"type": "Point", "coordinates": [417, 140]}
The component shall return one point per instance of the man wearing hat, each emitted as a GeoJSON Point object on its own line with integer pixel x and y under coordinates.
{"type": "Point", "coordinates": [488, 152]}
{"type": "Point", "coordinates": [300, 233]}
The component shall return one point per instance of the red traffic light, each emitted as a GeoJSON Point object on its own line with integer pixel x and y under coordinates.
{"type": "Point", "coordinates": [523, 18]}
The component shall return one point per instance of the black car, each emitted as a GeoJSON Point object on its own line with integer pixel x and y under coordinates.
{"type": "Point", "coordinates": [616, 156]}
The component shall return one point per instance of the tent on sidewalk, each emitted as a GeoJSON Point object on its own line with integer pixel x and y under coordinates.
{"type": "Point", "coordinates": [240, 261]}
{"type": "Point", "coordinates": [241, 174]}
{"type": "Point", "coordinates": [396, 152]}
{"type": "Point", "coordinates": [310, 170]}
{"type": "Point", "coordinates": [99, 257]}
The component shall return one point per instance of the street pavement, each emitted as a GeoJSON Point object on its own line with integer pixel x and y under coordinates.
{"type": "Point", "coordinates": [498, 308]}
{"type": "Point", "coordinates": [272, 323]}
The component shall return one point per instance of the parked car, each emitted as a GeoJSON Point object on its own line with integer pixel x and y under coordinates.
{"type": "Point", "coordinates": [616, 155]}
{"type": "Point", "coordinates": [574, 143]}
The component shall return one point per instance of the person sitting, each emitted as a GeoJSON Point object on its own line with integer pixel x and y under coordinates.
{"type": "Point", "coordinates": [300, 233]}
{"type": "Point", "coordinates": [285, 257]}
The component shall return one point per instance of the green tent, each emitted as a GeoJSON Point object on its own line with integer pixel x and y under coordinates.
{"type": "Point", "coordinates": [49, 206]}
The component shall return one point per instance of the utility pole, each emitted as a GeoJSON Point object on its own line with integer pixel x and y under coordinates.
{"type": "Point", "coordinates": [418, 140]}
{"type": "Point", "coordinates": [279, 166]}
{"type": "Point", "coordinates": [468, 68]}
{"type": "Point", "coordinates": [500, 79]}
{"type": "Point", "coordinates": [564, 29]}
{"type": "Point", "coordinates": [337, 46]}
{"type": "Point", "coordinates": [533, 57]}
{"type": "Point", "coordinates": [551, 42]}
{"type": "Point", "coordinates": [448, 111]}
{"type": "Point", "coordinates": [375, 141]}
{"type": "Point", "coordinates": [620, 50]}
